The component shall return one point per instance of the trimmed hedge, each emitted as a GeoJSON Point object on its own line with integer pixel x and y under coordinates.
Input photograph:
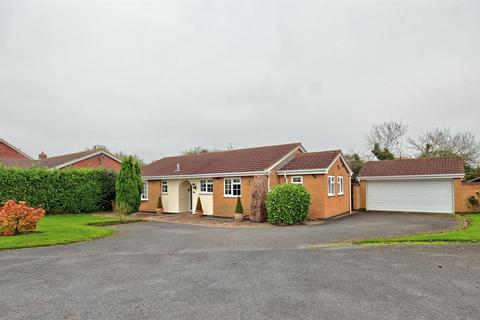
{"type": "Point", "coordinates": [288, 204]}
{"type": "Point", "coordinates": [59, 191]}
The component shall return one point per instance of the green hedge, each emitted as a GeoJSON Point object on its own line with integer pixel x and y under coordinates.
{"type": "Point", "coordinates": [288, 204]}
{"type": "Point", "coordinates": [59, 191]}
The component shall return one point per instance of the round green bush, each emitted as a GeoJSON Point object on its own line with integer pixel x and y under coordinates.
{"type": "Point", "coordinates": [288, 204]}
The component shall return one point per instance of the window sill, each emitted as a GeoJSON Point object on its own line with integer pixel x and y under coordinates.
{"type": "Point", "coordinates": [206, 193]}
{"type": "Point", "coordinates": [340, 194]}
{"type": "Point", "coordinates": [143, 199]}
{"type": "Point", "coordinates": [164, 193]}
{"type": "Point", "coordinates": [229, 196]}
{"type": "Point", "coordinates": [331, 195]}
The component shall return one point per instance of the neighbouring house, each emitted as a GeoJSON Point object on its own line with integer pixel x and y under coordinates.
{"type": "Point", "coordinates": [218, 178]}
{"type": "Point", "coordinates": [8, 151]}
{"type": "Point", "coordinates": [431, 185]}
{"type": "Point", "coordinates": [95, 158]}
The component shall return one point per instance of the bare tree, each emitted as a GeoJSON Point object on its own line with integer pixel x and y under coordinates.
{"type": "Point", "coordinates": [442, 142]}
{"type": "Point", "coordinates": [388, 135]}
{"type": "Point", "coordinates": [197, 150]}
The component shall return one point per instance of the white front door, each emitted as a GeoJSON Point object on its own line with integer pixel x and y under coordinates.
{"type": "Point", "coordinates": [410, 195]}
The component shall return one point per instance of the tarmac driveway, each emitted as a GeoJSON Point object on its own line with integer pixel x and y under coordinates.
{"type": "Point", "coordinates": [170, 271]}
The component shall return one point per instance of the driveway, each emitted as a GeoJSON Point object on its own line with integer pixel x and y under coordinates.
{"type": "Point", "coordinates": [170, 271]}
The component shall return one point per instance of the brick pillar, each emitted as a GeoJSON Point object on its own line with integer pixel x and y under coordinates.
{"type": "Point", "coordinates": [258, 211]}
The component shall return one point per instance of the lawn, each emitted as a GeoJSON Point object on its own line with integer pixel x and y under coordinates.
{"type": "Point", "coordinates": [468, 233]}
{"type": "Point", "coordinates": [63, 229]}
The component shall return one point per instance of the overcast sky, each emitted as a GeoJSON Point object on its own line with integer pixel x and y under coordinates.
{"type": "Point", "coordinates": [156, 78]}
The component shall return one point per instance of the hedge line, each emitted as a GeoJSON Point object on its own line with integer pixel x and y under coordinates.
{"type": "Point", "coordinates": [59, 191]}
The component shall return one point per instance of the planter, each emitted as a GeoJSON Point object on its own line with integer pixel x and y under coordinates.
{"type": "Point", "coordinates": [238, 217]}
{"type": "Point", "coordinates": [198, 213]}
{"type": "Point", "coordinates": [159, 211]}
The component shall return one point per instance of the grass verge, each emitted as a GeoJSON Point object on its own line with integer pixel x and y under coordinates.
{"type": "Point", "coordinates": [63, 229]}
{"type": "Point", "coordinates": [468, 231]}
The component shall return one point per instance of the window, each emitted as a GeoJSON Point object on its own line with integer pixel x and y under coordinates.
{"type": "Point", "coordinates": [206, 186]}
{"type": "Point", "coordinates": [297, 180]}
{"type": "Point", "coordinates": [145, 191]}
{"type": "Point", "coordinates": [340, 185]}
{"type": "Point", "coordinates": [164, 187]}
{"type": "Point", "coordinates": [232, 187]}
{"type": "Point", "coordinates": [331, 185]}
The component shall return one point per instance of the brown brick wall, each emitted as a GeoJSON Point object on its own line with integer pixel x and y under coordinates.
{"type": "Point", "coordinates": [98, 161]}
{"type": "Point", "coordinates": [363, 195]}
{"type": "Point", "coordinates": [7, 152]}
{"type": "Point", "coordinates": [321, 205]}
{"type": "Point", "coordinates": [225, 206]}
{"type": "Point", "coordinates": [153, 192]}
{"type": "Point", "coordinates": [462, 192]}
{"type": "Point", "coordinates": [356, 196]}
{"type": "Point", "coordinates": [337, 204]}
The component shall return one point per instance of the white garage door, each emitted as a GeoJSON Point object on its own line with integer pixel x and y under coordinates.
{"type": "Point", "coordinates": [410, 195]}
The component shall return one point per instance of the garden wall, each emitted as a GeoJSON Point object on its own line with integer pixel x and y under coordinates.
{"type": "Point", "coordinates": [59, 191]}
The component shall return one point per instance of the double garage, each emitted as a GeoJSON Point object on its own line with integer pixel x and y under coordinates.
{"type": "Point", "coordinates": [411, 185]}
{"type": "Point", "coordinates": [410, 195]}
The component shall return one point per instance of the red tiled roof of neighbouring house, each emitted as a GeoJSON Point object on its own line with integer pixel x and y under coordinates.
{"type": "Point", "coordinates": [232, 161]}
{"type": "Point", "coordinates": [408, 167]}
{"type": "Point", "coordinates": [64, 159]}
{"type": "Point", "coordinates": [311, 160]}
{"type": "Point", "coordinates": [54, 162]}
{"type": "Point", "coordinates": [20, 163]}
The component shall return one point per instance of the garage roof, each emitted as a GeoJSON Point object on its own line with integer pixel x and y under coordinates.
{"type": "Point", "coordinates": [413, 167]}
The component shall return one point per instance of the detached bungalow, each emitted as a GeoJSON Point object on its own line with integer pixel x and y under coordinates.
{"type": "Point", "coordinates": [218, 178]}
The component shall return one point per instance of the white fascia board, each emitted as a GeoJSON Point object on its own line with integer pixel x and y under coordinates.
{"type": "Point", "coordinates": [344, 162]}
{"type": "Point", "coordinates": [66, 164]}
{"type": "Point", "coordinates": [286, 156]}
{"type": "Point", "coordinates": [414, 177]}
{"type": "Point", "coordinates": [207, 175]}
{"type": "Point", "coordinates": [302, 171]}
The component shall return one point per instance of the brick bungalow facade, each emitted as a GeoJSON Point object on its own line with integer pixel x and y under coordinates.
{"type": "Point", "coordinates": [218, 178]}
{"type": "Point", "coordinates": [95, 158]}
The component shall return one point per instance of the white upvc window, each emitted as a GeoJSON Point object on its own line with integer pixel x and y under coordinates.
{"type": "Point", "coordinates": [145, 191]}
{"type": "Point", "coordinates": [164, 186]}
{"type": "Point", "coordinates": [206, 186]}
{"type": "Point", "coordinates": [297, 180]}
{"type": "Point", "coordinates": [340, 185]}
{"type": "Point", "coordinates": [232, 187]}
{"type": "Point", "coordinates": [331, 185]}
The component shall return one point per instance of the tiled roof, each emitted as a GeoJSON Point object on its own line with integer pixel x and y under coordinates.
{"type": "Point", "coordinates": [49, 162]}
{"type": "Point", "coordinates": [60, 160]}
{"type": "Point", "coordinates": [408, 167]}
{"type": "Point", "coordinates": [21, 163]}
{"type": "Point", "coordinates": [239, 160]}
{"type": "Point", "coordinates": [311, 160]}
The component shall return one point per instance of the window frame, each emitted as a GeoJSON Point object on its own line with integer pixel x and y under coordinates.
{"type": "Point", "coordinates": [293, 182]}
{"type": "Point", "coordinates": [144, 194]}
{"type": "Point", "coordinates": [331, 182]}
{"type": "Point", "coordinates": [231, 195]}
{"type": "Point", "coordinates": [340, 191]}
{"type": "Point", "coordinates": [164, 184]}
{"type": "Point", "coordinates": [208, 182]}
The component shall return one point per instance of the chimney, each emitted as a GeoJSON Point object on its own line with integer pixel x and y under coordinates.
{"type": "Point", "coordinates": [178, 167]}
{"type": "Point", "coordinates": [42, 155]}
